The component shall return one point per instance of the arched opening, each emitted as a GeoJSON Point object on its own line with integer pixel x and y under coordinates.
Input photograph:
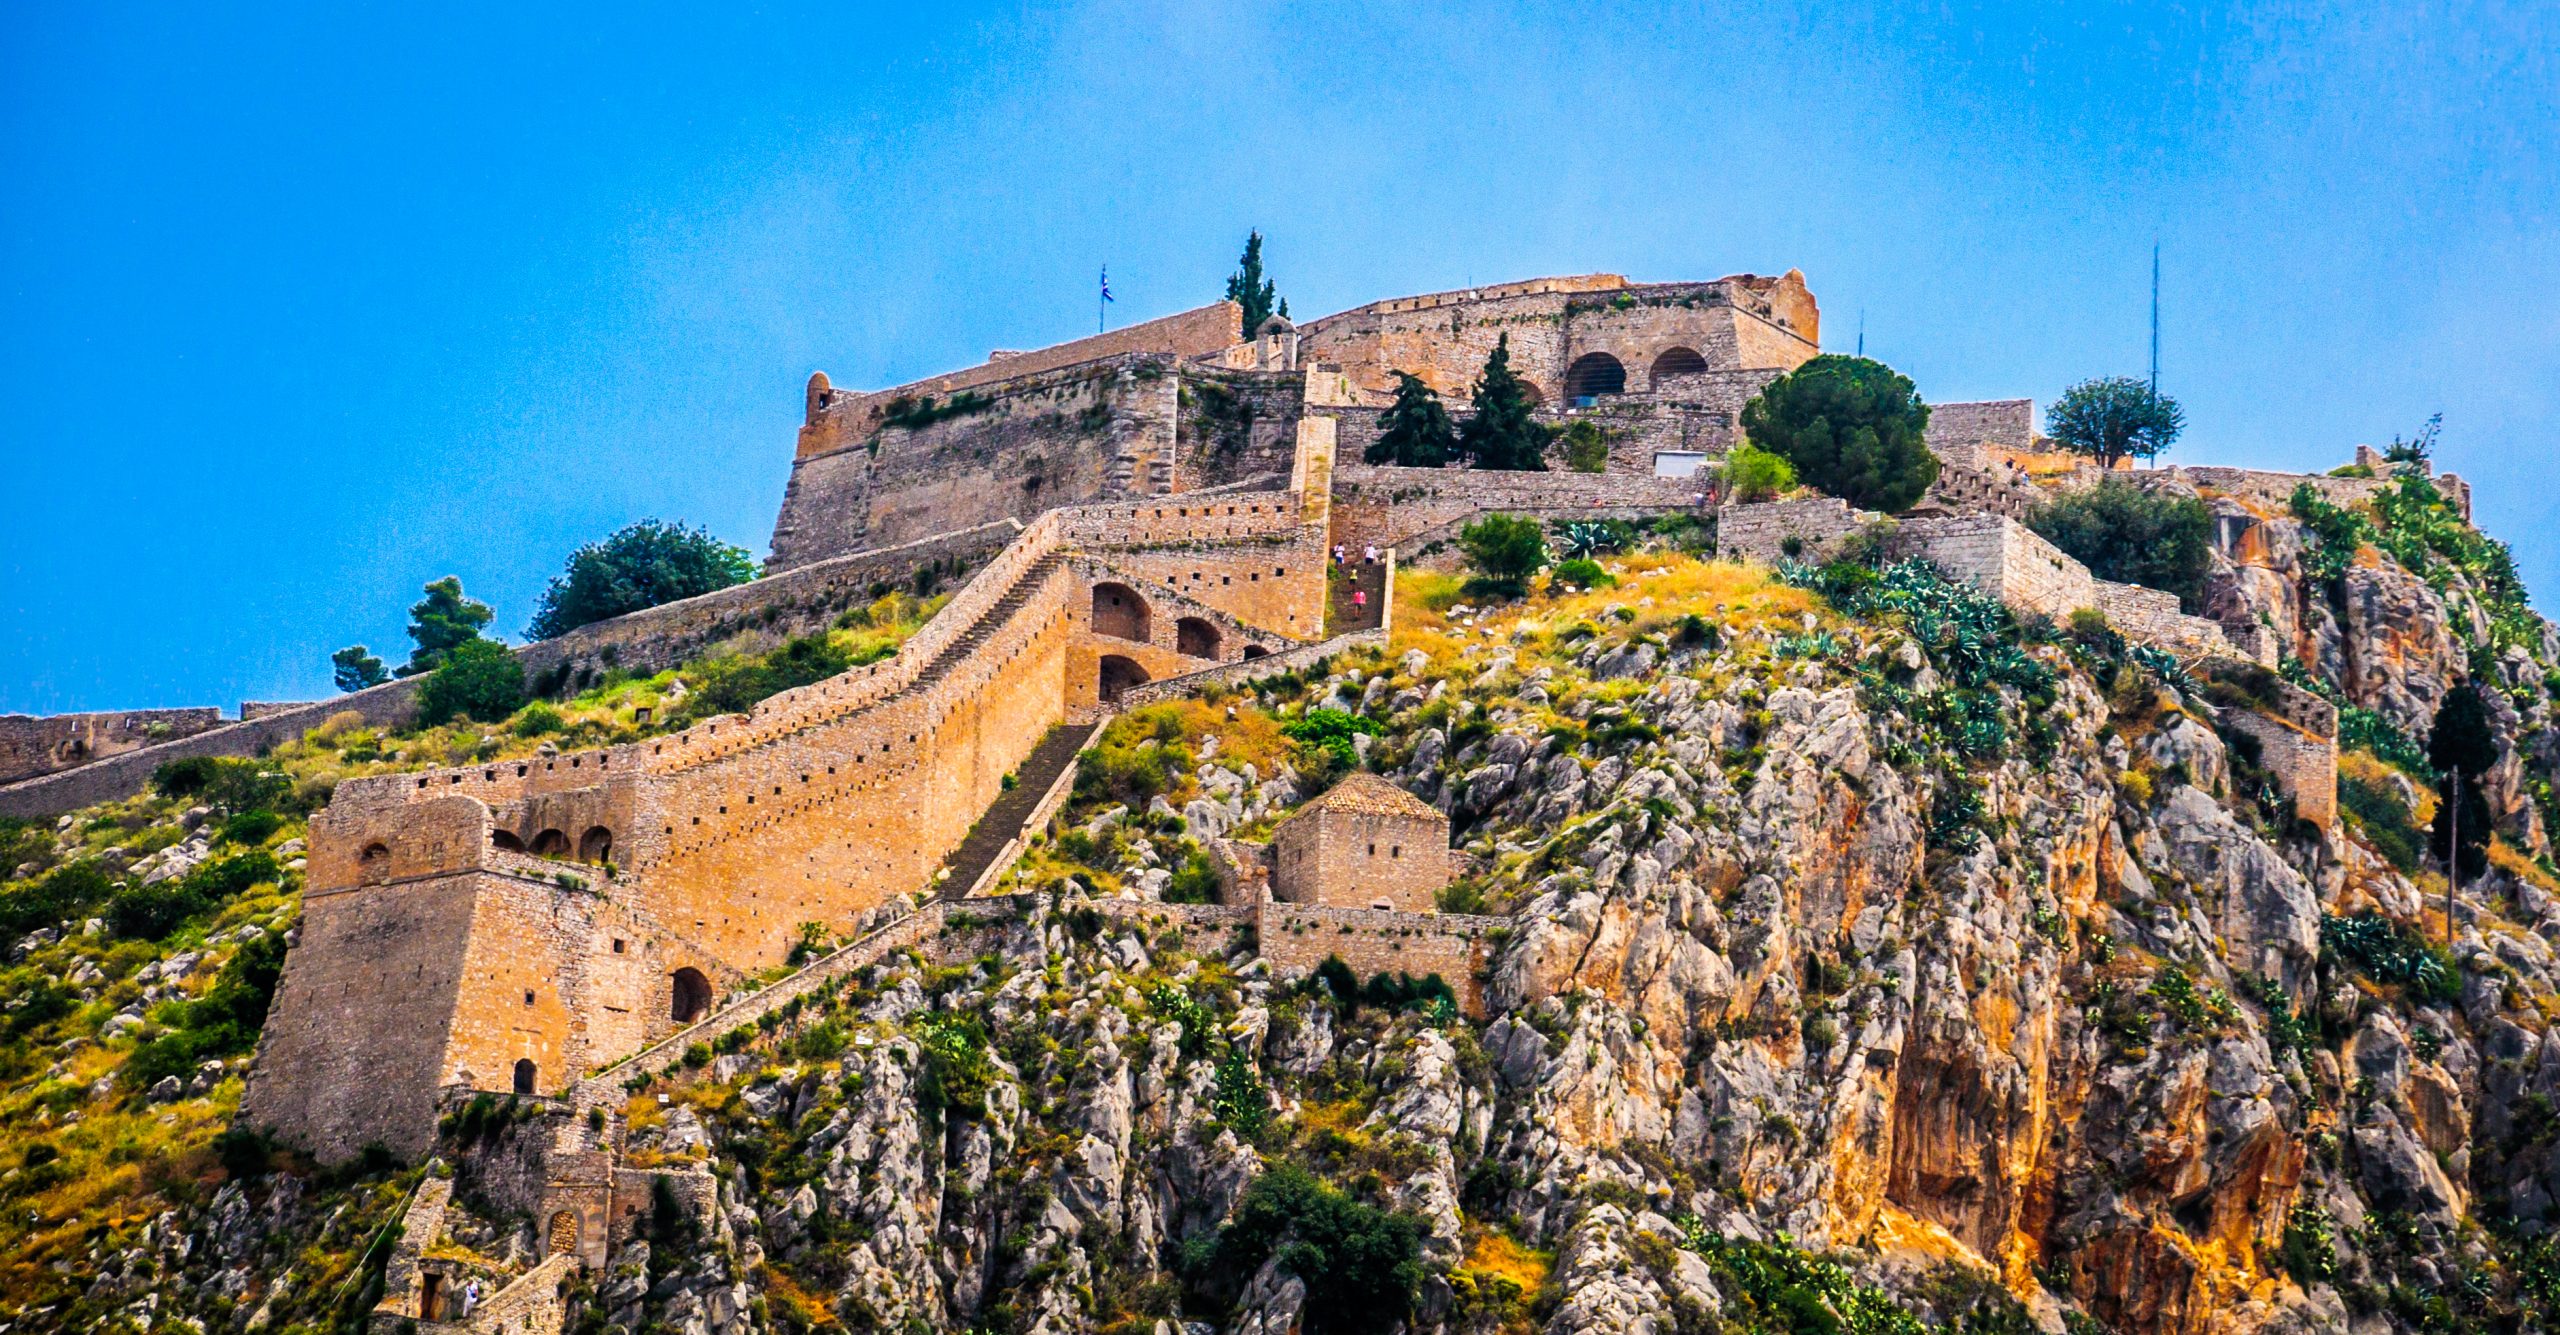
{"type": "Point", "coordinates": [374, 863]}
{"type": "Point", "coordinates": [691, 995]}
{"type": "Point", "coordinates": [1119, 611]}
{"type": "Point", "coordinates": [1677, 361]}
{"type": "Point", "coordinates": [1537, 397]}
{"type": "Point", "coordinates": [505, 841]}
{"type": "Point", "coordinates": [524, 1075]}
{"type": "Point", "coordinates": [1118, 675]}
{"type": "Point", "coordinates": [430, 1296]}
{"type": "Point", "coordinates": [564, 1233]}
{"type": "Point", "coordinates": [1196, 638]}
{"type": "Point", "coordinates": [1255, 651]}
{"type": "Point", "coordinates": [551, 844]}
{"type": "Point", "coordinates": [1592, 375]}
{"type": "Point", "coordinates": [596, 845]}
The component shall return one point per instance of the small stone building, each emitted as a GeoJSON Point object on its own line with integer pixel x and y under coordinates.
{"type": "Point", "coordinates": [1366, 844]}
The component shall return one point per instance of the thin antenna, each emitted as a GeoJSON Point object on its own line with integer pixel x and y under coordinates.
{"type": "Point", "coordinates": [2155, 315]}
{"type": "Point", "coordinates": [1862, 331]}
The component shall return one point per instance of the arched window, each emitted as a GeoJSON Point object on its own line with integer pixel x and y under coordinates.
{"type": "Point", "coordinates": [524, 1076]}
{"type": "Point", "coordinates": [505, 841]}
{"type": "Point", "coordinates": [1677, 361]}
{"type": "Point", "coordinates": [596, 845]}
{"type": "Point", "coordinates": [373, 865]}
{"type": "Point", "coordinates": [689, 995]}
{"type": "Point", "coordinates": [1592, 375]}
{"type": "Point", "coordinates": [1119, 611]}
{"type": "Point", "coordinates": [564, 1233]}
{"type": "Point", "coordinates": [551, 844]}
{"type": "Point", "coordinates": [1196, 638]}
{"type": "Point", "coordinates": [1255, 651]}
{"type": "Point", "coordinates": [1118, 675]}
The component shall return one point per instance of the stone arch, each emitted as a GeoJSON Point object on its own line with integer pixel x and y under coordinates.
{"type": "Point", "coordinates": [505, 841]}
{"type": "Point", "coordinates": [525, 1075]}
{"type": "Point", "coordinates": [1194, 637]}
{"type": "Point", "coordinates": [596, 845]}
{"type": "Point", "coordinates": [564, 1233]}
{"type": "Point", "coordinates": [1255, 651]}
{"type": "Point", "coordinates": [1592, 375]}
{"type": "Point", "coordinates": [373, 865]}
{"type": "Point", "coordinates": [1118, 611]}
{"type": "Point", "coordinates": [688, 995]}
{"type": "Point", "coordinates": [1118, 675]}
{"type": "Point", "coordinates": [551, 843]}
{"type": "Point", "coordinates": [1676, 361]}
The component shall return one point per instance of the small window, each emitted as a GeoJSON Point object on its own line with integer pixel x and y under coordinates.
{"type": "Point", "coordinates": [1373, 850]}
{"type": "Point", "coordinates": [528, 998]}
{"type": "Point", "coordinates": [618, 944]}
{"type": "Point", "coordinates": [1395, 851]}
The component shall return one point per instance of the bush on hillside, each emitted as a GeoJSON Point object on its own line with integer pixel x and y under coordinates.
{"type": "Point", "coordinates": [642, 566]}
{"type": "Point", "coordinates": [2134, 536]}
{"type": "Point", "coordinates": [2114, 418]}
{"type": "Point", "coordinates": [1361, 1264]}
{"type": "Point", "coordinates": [153, 912]}
{"type": "Point", "coordinates": [1754, 474]}
{"type": "Point", "coordinates": [1505, 551]}
{"type": "Point", "coordinates": [1851, 426]}
{"type": "Point", "coordinates": [477, 679]}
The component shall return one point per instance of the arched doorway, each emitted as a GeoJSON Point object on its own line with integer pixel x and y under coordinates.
{"type": "Point", "coordinates": [1592, 375]}
{"type": "Point", "coordinates": [1118, 611]}
{"type": "Point", "coordinates": [1118, 675]}
{"type": "Point", "coordinates": [689, 995]}
{"type": "Point", "coordinates": [1255, 651]}
{"type": "Point", "coordinates": [564, 1233]}
{"type": "Point", "coordinates": [551, 844]}
{"type": "Point", "coordinates": [505, 841]}
{"type": "Point", "coordinates": [1196, 638]}
{"type": "Point", "coordinates": [596, 845]}
{"type": "Point", "coordinates": [524, 1075]}
{"type": "Point", "coordinates": [1675, 362]}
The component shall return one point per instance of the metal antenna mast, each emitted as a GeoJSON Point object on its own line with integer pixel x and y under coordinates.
{"type": "Point", "coordinates": [2155, 316]}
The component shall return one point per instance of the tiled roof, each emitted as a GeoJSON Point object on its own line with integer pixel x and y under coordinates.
{"type": "Point", "coordinates": [1368, 795]}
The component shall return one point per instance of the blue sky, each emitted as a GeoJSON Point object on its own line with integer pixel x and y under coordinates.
{"type": "Point", "coordinates": [301, 307]}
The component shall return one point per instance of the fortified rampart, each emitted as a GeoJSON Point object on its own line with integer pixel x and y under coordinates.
{"type": "Point", "coordinates": [31, 745]}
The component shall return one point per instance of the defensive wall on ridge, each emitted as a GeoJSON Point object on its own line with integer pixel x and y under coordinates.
{"type": "Point", "coordinates": [31, 745]}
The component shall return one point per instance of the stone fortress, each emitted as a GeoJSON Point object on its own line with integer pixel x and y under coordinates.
{"type": "Point", "coordinates": [1141, 514]}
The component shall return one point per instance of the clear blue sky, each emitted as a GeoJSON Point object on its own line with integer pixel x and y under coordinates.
{"type": "Point", "coordinates": [305, 307]}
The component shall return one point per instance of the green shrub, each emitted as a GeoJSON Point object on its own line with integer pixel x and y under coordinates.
{"type": "Point", "coordinates": [478, 679]}
{"type": "Point", "coordinates": [1330, 730]}
{"type": "Point", "coordinates": [1583, 573]}
{"type": "Point", "coordinates": [225, 782]}
{"type": "Point", "coordinates": [1754, 474]}
{"type": "Point", "coordinates": [1505, 551]}
{"type": "Point", "coordinates": [224, 1022]}
{"type": "Point", "coordinates": [645, 565]}
{"type": "Point", "coordinates": [2387, 824]}
{"type": "Point", "coordinates": [152, 912]}
{"type": "Point", "coordinates": [2113, 418]}
{"type": "Point", "coordinates": [736, 684]}
{"type": "Point", "coordinates": [251, 827]}
{"type": "Point", "coordinates": [1851, 426]}
{"type": "Point", "coordinates": [2389, 953]}
{"type": "Point", "coordinates": [2133, 536]}
{"type": "Point", "coordinates": [1195, 881]}
{"type": "Point", "coordinates": [1586, 446]}
{"type": "Point", "coordinates": [538, 718]}
{"type": "Point", "coordinates": [57, 897]}
{"type": "Point", "coordinates": [1361, 1264]}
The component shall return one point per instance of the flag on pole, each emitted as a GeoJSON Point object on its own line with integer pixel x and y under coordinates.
{"type": "Point", "coordinates": [1098, 319]}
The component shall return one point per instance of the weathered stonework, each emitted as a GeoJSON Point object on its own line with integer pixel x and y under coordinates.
{"type": "Point", "coordinates": [1364, 843]}
{"type": "Point", "coordinates": [31, 745]}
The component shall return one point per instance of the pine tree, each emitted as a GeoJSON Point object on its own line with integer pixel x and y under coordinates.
{"type": "Point", "coordinates": [1258, 295]}
{"type": "Point", "coordinates": [1415, 431]}
{"type": "Point", "coordinates": [357, 668]}
{"type": "Point", "coordinates": [440, 622]}
{"type": "Point", "coordinates": [1503, 434]}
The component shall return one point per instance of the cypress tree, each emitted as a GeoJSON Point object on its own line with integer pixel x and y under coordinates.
{"type": "Point", "coordinates": [1246, 287]}
{"type": "Point", "coordinates": [2461, 743]}
{"type": "Point", "coordinates": [1503, 435]}
{"type": "Point", "coordinates": [1415, 432]}
{"type": "Point", "coordinates": [441, 622]}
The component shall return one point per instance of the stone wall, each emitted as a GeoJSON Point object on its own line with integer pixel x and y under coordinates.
{"type": "Point", "coordinates": [1361, 859]}
{"type": "Point", "coordinates": [2152, 617]}
{"type": "Point", "coordinates": [31, 745]}
{"type": "Point", "coordinates": [838, 417]}
{"type": "Point", "coordinates": [1244, 671]}
{"type": "Point", "coordinates": [2003, 558]}
{"type": "Point", "coordinates": [1295, 938]}
{"type": "Point", "coordinates": [1811, 531]}
{"type": "Point", "coordinates": [1390, 507]}
{"type": "Point", "coordinates": [1959, 431]}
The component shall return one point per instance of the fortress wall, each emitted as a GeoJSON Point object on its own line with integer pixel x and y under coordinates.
{"type": "Point", "coordinates": [354, 1045]}
{"type": "Point", "coordinates": [2303, 765]}
{"type": "Point", "coordinates": [31, 745]}
{"type": "Point", "coordinates": [2152, 617]}
{"type": "Point", "coordinates": [1391, 506]}
{"type": "Point", "coordinates": [1247, 670]}
{"type": "Point", "coordinates": [1085, 433]}
{"type": "Point", "coordinates": [837, 417]}
{"type": "Point", "coordinates": [1814, 529]}
{"type": "Point", "coordinates": [1958, 431]}
{"type": "Point", "coordinates": [1235, 425]}
{"type": "Point", "coordinates": [1296, 938]}
{"type": "Point", "coordinates": [2003, 558]}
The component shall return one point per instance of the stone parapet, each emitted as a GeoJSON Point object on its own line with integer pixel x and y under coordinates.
{"type": "Point", "coordinates": [32, 745]}
{"type": "Point", "coordinates": [1811, 531]}
{"type": "Point", "coordinates": [1295, 938]}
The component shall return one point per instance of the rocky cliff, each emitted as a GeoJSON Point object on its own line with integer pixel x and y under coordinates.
{"type": "Point", "coordinates": [1877, 963]}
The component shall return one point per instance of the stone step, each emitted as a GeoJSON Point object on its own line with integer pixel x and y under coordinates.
{"type": "Point", "coordinates": [1003, 818]}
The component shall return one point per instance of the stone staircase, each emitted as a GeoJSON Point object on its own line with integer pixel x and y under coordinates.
{"type": "Point", "coordinates": [1001, 826]}
{"type": "Point", "coordinates": [1370, 577]}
